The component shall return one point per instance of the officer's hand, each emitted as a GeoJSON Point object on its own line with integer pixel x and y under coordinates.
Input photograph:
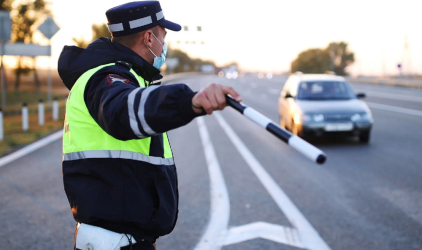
{"type": "Point", "coordinates": [213, 98]}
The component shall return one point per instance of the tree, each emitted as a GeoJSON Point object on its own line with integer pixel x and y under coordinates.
{"type": "Point", "coordinates": [80, 42]}
{"type": "Point", "coordinates": [98, 30]}
{"type": "Point", "coordinates": [335, 57]}
{"type": "Point", "coordinates": [184, 60]}
{"type": "Point", "coordinates": [24, 16]}
{"type": "Point", "coordinates": [340, 57]}
{"type": "Point", "coordinates": [6, 5]}
{"type": "Point", "coordinates": [312, 61]}
{"type": "Point", "coordinates": [186, 64]}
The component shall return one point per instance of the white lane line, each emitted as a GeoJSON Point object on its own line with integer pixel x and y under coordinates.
{"type": "Point", "coordinates": [220, 205]}
{"type": "Point", "coordinates": [217, 233]}
{"type": "Point", "coordinates": [392, 96]}
{"type": "Point", "coordinates": [394, 109]}
{"type": "Point", "coordinates": [30, 148]}
{"type": "Point", "coordinates": [309, 236]}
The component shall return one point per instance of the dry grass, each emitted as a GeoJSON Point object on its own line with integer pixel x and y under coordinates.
{"type": "Point", "coordinates": [14, 137]}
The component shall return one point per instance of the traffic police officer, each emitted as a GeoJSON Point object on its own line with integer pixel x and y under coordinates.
{"type": "Point", "coordinates": [118, 168]}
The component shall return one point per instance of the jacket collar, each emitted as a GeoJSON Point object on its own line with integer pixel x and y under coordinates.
{"type": "Point", "coordinates": [75, 61]}
{"type": "Point", "coordinates": [140, 65]}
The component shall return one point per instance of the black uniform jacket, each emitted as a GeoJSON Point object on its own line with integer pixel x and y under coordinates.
{"type": "Point", "coordinates": [122, 195]}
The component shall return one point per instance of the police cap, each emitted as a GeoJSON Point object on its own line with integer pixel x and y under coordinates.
{"type": "Point", "coordinates": [133, 17]}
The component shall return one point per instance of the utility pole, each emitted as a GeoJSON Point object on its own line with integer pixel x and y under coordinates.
{"type": "Point", "coordinates": [383, 67]}
{"type": "Point", "coordinates": [5, 32]}
{"type": "Point", "coordinates": [49, 28]}
{"type": "Point", "coordinates": [3, 76]}
{"type": "Point", "coordinates": [406, 60]}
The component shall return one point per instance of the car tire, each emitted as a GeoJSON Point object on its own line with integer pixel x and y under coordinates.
{"type": "Point", "coordinates": [365, 137]}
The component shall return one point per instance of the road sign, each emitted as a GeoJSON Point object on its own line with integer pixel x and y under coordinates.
{"type": "Point", "coordinates": [207, 68]}
{"type": "Point", "coordinates": [25, 49]}
{"type": "Point", "coordinates": [172, 63]}
{"type": "Point", "coordinates": [5, 32]}
{"type": "Point", "coordinates": [49, 28]}
{"type": "Point", "coordinates": [5, 26]}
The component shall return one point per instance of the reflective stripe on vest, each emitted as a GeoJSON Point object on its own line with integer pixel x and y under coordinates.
{"type": "Point", "coordinates": [83, 138]}
{"type": "Point", "coordinates": [117, 154]}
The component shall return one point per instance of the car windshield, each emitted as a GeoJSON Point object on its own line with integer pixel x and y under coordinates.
{"type": "Point", "coordinates": [325, 90]}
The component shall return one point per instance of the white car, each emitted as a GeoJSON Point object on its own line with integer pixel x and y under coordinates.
{"type": "Point", "coordinates": [313, 105]}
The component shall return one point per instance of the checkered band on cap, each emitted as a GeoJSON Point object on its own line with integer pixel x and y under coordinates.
{"type": "Point", "coordinates": [138, 16]}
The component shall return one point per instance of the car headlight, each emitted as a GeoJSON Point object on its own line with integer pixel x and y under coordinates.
{"type": "Point", "coordinates": [298, 118]}
{"type": "Point", "coordinates": [361, 117]}
{"type": "Point", "coordinates": [318, 118]}
{"type": "Point", "coordinates": [306, 118]}
{"type": "Point", "coordinates": [356, 117]}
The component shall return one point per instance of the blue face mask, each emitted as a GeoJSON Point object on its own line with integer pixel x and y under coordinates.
{"type": "Point", "coordinates": [159, 61]}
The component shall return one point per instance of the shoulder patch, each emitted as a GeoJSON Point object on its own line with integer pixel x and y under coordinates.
{"type": "Point", "coordinates": [112, 78]}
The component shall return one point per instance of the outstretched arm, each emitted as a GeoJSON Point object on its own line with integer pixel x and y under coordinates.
{"type": "Point", "coordinates": [126, 111]}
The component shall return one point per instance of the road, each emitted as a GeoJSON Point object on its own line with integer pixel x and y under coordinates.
{"type": "Point", "coordinates": [263, 194]}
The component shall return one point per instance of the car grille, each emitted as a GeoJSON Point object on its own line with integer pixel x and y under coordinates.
{"type": "Point", "coordinates": [337, 117]}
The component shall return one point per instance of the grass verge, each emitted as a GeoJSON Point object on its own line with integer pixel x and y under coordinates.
{"type": "Point", "coordinates": [15, 137]}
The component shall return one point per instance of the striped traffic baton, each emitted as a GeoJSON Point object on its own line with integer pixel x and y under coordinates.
{"type": "Point", "coordinates": [294, 141]}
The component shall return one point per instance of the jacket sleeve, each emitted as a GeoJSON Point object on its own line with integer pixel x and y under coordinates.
{"type": "Point", "coordinates": [126, 111]}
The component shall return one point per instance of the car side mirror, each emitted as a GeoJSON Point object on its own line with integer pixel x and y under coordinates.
{"type": "Point", "coordinates": [361, 95]}
{"type": "Point", "coordinates": [288, 95]}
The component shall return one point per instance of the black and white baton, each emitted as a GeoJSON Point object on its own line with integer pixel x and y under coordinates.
{"type": "Point", "coordinates": [294, 141]}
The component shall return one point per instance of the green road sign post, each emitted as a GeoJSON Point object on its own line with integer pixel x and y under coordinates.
{"type": "Point", "coordinates": [5, 32]}
{"type": "Point", "coordinates": [49, 28]}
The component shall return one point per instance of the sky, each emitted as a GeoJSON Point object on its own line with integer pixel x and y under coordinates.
{"type": "Point", "coordinates": [267, 35]}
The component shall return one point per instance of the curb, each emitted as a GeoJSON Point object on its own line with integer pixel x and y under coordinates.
{"type": "Point", "coordinates": [30, 148]}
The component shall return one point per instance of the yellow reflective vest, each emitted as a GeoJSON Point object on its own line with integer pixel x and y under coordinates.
{"type": "Point", "coordinates": [112, 183]}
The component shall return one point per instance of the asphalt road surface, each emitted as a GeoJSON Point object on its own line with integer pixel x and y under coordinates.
{"type": "Point", "coordinates": [242, 189]}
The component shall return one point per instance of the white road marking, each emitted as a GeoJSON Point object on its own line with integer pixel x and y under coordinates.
{"type": "Point", "coordinates": [308, 235]}
{"type": "Point", "coordinates": [220, 205]}
{"type": "Point", "coordinates": [394, 109]}
{"type": "Point", "coordinates": [30, 148]}
{"type": "Point", "coordinates": [276, 233]}
{"type": "Point", "coordinates": [217, 233]}
{"type": "Point", "coordinates": [392, 96]}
